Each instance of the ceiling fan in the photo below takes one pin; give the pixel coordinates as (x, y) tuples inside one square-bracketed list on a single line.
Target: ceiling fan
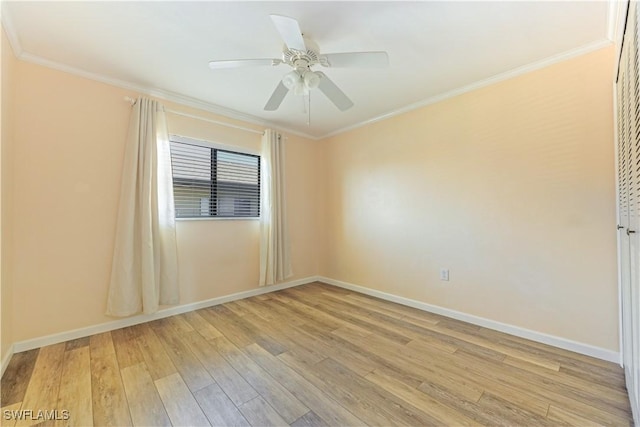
[(301, 54)]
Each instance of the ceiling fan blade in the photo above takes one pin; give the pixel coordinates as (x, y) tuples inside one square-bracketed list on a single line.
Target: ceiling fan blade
[(355, 59), (333, 92), (237, 63), (276, 97), (289, 31)]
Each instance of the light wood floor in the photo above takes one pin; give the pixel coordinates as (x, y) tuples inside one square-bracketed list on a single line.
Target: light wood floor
[(309, 356)]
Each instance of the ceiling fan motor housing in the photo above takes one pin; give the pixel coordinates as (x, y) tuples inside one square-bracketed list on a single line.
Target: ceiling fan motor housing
[(310, 56)]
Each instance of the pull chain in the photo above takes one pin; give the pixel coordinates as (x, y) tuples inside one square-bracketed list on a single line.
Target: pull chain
[(309, 111)]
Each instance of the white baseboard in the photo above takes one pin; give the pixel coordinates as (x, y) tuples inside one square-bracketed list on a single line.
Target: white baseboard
[(587, 349), (5, 360), (578, 347), (142, 318)]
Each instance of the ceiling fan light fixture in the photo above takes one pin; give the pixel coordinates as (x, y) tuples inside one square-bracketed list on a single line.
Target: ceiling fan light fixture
[(311, 79), (291, 80), (300, 89)]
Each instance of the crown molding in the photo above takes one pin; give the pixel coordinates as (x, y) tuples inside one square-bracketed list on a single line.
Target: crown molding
[(615, 25), (479, 84), (616, 13), (10, 31), (184, 100)]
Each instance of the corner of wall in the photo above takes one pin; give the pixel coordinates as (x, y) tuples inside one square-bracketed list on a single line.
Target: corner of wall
[(6, 142)]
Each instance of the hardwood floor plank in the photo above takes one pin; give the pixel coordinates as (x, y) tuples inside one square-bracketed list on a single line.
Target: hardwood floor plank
[(525, 389), (285, 403), (486, 372), (357, 403), (226, 321), (559, 355), (323, 406), (181, 406), (231, 382), (310, 419), (506, 350), (333, 346), (597, 376), (218, 407), (110, 407), (532, 384), (425, 403), (17, 376), (77, 343), (515, 414), (255, 332), (262, 309), (308, 312), (427, 343), (10, 419), (401, 331), (156, 358), (237, 307), (145, 404), (397, 410), (354, 317), (258, 412), (469, 408), (75, 387), (562, 416), (42, 391), (204, 328), (313, 355), (127, 347), (614, 397), (179, 324), (421, 365), (277, 329), (387, 307), (188, 365), (402, 324)]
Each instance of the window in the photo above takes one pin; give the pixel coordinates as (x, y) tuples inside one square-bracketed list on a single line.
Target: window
[(211, 182)]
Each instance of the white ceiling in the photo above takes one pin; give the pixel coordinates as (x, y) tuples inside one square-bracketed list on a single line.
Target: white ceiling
[(436, 48)]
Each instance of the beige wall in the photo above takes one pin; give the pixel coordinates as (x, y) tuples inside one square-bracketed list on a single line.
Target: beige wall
[(6, 169), (510, 187), (70, 133)]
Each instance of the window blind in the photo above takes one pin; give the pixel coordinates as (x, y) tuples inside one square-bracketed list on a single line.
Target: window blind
[(210, 182)]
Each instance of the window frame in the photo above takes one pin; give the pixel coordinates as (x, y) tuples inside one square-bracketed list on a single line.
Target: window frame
[(215, 146)]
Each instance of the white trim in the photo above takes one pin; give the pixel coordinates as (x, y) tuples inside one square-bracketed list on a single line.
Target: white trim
[(617, 186), (621, 15), (559, 342), (612, 27), (10, 31), (142, 318), (184, 100), (6, 359), (615, 19), (479, 84), (633, 400), (586, 349)]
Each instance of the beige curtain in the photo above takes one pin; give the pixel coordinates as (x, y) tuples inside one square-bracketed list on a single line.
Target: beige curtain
[(144, 271), (275, 261)]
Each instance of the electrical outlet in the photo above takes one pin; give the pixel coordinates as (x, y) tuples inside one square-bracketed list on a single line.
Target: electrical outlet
[(444, 274)]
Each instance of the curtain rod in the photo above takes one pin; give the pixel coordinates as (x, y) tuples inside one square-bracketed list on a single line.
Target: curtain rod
[(204, 119)]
